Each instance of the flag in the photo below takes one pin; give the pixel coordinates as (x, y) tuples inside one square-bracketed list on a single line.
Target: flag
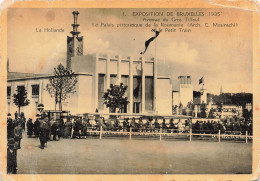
[(201, 80), (147, 43)]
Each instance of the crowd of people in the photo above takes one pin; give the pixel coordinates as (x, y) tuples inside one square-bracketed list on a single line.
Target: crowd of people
[(234, 126), (15, 130), (77, 127)]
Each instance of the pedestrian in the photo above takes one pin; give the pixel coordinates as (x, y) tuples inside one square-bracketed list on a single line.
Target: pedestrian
[(44, 134), (36, 127), (54, 128), (11, 157), (16, 115), (23, 121), (18, 130), (84, 128), (10, 128), (29, 126), (61, 127), (68, 127)]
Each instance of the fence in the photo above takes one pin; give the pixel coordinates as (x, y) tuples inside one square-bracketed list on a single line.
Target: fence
[(170, 133)]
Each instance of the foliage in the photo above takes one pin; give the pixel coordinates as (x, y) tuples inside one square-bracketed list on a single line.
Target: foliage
[(211, 115), (114, 97), (61, 84), (239, 99), (247, 114), (20, 98), (203, 110)]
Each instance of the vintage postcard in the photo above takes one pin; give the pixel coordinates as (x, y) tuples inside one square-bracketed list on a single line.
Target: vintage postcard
[(129, 90)]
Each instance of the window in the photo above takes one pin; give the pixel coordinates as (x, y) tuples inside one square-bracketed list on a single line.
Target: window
[(35, 90), (20, 88), (8, 91), (113, 79), (137, 107), (101, 90)]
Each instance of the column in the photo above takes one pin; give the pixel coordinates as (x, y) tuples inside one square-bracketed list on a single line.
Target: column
[(196, 111), (130, 84), (108, 72), (96, 85), (118, 69), (107, 80), (155, 84), (143, 85), (40, 92)]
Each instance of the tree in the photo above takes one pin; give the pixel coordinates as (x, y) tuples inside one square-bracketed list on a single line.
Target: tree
[(203, 110), (61, 84), (211, 113), (190, 108), (20, 98), (115, 97)]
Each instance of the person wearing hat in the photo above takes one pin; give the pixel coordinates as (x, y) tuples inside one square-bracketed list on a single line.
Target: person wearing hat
[(10, 127), (68, 127), (11, 157), (54, 127), (18, 134), (16, 115), (36, 127), (29, 126), (43, 133)]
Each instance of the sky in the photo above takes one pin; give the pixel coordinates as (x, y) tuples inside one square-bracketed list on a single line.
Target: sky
[(223, 56)]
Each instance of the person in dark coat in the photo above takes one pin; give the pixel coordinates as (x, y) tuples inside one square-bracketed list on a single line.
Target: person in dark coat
[(44, 133), (23, 121), (61, 127), (140, 124), (125, 124), (11, 157), (36, 127), (84, 128), (29, 126), (156, 124), (54, 128), (68, 127), (164, 124), (133, 124), (76, 128), (10, 128), (16, 115), (18, 131)]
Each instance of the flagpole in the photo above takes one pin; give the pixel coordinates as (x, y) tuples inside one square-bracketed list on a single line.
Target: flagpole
[(155, 45), (155, 77)]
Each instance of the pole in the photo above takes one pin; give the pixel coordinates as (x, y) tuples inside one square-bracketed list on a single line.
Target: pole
[(219, 135), (130, 136), (190, 133), (246, 136), (100, 133), (160, 134)]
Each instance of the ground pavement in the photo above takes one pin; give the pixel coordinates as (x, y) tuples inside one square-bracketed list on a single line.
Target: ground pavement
[(123, 156)]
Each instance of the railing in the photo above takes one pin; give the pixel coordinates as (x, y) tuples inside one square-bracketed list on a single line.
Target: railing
[(170, 132)]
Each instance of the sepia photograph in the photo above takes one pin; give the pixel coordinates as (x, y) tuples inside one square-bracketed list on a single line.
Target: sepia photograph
[(129, 91)]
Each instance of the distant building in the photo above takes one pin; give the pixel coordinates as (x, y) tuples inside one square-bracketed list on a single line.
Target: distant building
[(185, 93)]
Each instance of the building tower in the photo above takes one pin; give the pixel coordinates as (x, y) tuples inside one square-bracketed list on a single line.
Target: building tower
[(74, 43), (186, 90)]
